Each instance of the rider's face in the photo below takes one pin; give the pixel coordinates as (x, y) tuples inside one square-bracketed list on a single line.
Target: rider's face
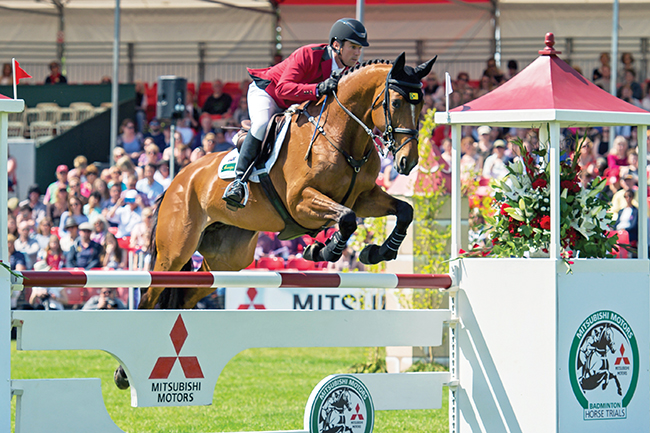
[(349, 53)]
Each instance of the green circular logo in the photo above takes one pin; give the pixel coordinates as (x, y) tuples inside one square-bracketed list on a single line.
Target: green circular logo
[(340, 404), (604, 366)]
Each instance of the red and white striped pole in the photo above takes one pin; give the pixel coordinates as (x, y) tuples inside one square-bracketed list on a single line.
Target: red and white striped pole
[(96, 279)]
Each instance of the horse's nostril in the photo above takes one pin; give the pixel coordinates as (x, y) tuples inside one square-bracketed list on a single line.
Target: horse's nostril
[(403, 164)]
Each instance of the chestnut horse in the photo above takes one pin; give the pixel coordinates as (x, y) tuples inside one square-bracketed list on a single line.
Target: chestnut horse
[(322, 179)]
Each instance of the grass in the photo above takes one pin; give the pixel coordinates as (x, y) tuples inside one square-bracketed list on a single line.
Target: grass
[(260, 389)]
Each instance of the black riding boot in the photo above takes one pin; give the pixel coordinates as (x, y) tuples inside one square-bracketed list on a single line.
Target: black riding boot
[(236, 191)]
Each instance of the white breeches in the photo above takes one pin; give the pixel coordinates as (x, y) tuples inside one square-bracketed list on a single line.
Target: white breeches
[(261, 107)]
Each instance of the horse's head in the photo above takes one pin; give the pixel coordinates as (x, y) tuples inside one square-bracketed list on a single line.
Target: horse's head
[(403, 101)]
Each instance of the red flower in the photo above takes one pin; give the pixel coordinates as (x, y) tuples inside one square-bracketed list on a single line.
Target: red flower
[(540, 183), (545, 222), (504, 206)]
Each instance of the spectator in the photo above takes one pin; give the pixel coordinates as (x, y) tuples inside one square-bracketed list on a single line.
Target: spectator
[(106, 300), (219, 102), (484, 142), (126, 213), (12, 177), (38, 208), (142, 231), (493, 72), (629, 81), (99, 230), (513, 68), (116, 178), (115, 192), (25, 214), (604, 81), (209, 143), (485, 86), (241, 113), (17, 260), (433, 87), (156, 134), (197, 154), (74, 186), (93, 209), (162, 175), (26, 244), (627, 60), (60, 205), (148, 186), (151, 154), (70, 236), (598, 73), (55, 76), (12, 227), (7, 78), (461, 83), (184, 129), (43, 232), (61, 178), (628, 217), (206, 128), (191, 110), (627, 182), (129, 140), (84, 253), (114, 256), (220, 142), (470, 162), (494, 166), (618, 154), (54, 256), (348, 262), (75, 210), (92, 174), (141, 104), (118, 153)]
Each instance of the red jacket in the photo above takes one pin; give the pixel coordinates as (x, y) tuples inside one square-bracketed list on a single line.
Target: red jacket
[(295, 79)]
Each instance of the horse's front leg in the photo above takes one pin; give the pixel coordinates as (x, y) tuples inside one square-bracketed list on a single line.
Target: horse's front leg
[(378, 203), (314, 205)]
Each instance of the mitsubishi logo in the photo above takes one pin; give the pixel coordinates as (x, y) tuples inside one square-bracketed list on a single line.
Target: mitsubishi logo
[(251, 293), (189, 364), (625, 360)]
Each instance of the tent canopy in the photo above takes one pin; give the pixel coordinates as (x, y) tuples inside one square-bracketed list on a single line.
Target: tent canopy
[(547, 90)]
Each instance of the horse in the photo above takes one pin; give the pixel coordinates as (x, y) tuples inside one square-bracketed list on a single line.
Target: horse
[(594, 362), (325, 174)]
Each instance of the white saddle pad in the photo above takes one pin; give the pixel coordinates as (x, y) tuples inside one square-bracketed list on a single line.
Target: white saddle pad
[(229, 162)]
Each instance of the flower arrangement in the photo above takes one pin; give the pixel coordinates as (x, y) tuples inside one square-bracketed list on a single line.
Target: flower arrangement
[(521, 224)]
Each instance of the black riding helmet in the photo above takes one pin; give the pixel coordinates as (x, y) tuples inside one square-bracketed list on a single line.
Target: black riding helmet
[(349, 29)]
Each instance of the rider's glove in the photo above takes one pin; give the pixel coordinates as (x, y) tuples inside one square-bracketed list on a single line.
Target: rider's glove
[(328, 86)]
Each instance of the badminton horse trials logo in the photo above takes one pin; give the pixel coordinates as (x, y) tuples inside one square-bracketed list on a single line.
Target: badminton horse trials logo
[(604, 366), (340, 404)]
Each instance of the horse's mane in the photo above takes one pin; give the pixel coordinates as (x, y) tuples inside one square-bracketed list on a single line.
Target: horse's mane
[(358, 66)]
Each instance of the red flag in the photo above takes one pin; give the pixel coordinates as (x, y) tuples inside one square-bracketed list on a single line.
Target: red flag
[(20, 72)]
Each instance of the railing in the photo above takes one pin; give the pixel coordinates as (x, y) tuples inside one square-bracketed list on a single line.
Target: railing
[(227, 60)]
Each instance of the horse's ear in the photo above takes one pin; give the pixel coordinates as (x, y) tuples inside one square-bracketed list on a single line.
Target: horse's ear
[(398, 64), (424, 69)]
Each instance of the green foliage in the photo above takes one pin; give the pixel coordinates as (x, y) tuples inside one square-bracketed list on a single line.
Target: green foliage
[(376, 362), (373, 230), (420, 366)]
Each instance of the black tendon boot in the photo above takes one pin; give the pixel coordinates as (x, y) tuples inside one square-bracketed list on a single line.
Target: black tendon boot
[(236, 191)]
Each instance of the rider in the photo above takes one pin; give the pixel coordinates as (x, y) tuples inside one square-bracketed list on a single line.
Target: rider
[(304, 76)]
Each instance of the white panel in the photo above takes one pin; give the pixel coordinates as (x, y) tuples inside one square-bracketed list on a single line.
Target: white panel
[(405, 391), (139, 352), (61, 406), (506, 338)]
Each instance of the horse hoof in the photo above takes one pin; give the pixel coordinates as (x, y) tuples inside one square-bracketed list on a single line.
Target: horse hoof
[(312, 252), (120, 379), (370, 255)]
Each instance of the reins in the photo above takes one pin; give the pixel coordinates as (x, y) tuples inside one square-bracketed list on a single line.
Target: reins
[(387, 138)]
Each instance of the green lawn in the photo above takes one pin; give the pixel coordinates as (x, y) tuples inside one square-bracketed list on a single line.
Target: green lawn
[(260, 389)]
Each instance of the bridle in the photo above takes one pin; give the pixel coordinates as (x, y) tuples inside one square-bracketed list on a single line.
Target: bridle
[(387, 138)]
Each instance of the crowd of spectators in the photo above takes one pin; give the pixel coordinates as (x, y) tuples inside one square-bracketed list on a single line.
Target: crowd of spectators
[(91, 218)]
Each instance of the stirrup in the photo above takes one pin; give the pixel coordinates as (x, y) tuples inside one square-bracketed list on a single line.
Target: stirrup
[(235, 203)]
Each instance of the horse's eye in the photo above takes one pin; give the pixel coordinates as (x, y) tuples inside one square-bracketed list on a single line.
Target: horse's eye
[(396, 103)]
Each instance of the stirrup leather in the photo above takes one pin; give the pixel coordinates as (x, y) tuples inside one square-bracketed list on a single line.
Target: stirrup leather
[(231, 202)]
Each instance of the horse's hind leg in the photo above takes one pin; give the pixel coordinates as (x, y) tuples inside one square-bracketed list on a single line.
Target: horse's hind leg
[(377, 203), (316, 205)]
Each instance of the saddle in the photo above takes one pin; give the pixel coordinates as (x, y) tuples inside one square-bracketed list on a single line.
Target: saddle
[(291, 229)]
